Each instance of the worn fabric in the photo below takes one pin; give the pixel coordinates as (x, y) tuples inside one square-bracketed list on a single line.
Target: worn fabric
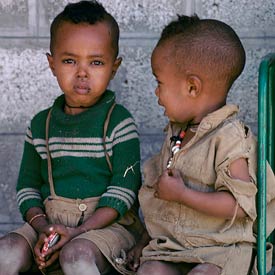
[(111, 240), (77, 178), (78, 157), (182, 234)]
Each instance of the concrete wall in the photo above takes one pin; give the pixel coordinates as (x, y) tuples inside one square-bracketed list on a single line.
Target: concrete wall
[(27, 86)]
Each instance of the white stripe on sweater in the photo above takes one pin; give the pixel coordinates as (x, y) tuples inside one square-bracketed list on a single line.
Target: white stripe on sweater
[(117, 196), (27, 193)]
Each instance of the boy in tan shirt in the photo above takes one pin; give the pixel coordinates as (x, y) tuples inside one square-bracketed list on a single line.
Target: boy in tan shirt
[(198, 196)]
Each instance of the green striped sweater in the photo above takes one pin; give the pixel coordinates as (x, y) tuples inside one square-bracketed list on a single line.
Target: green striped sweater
[(80, 169)]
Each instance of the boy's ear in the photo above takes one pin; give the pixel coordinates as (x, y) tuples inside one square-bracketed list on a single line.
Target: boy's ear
[(50, 61), (194, 85), (116, 66)]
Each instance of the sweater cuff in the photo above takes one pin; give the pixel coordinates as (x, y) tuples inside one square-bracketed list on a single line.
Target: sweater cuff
[(119, 198), (115, 203)]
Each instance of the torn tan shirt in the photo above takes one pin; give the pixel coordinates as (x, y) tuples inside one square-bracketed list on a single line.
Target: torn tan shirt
[(181, 234)]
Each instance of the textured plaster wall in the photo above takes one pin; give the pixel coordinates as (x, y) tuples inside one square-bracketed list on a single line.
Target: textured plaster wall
[(27, 86)]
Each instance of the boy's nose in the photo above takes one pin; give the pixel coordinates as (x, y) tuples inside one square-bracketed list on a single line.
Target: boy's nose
[(82, 71), (157, 92)]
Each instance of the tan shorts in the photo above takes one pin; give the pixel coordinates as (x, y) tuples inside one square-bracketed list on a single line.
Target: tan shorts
[(111, 240)]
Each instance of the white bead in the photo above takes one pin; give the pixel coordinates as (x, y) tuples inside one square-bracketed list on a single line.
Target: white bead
[(175, 149)]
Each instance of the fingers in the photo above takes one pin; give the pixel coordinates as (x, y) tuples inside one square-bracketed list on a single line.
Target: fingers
[(132, 262), (52, 258), (136, 266), (51, 229), (40, 242), (47, 261), (46, 258)]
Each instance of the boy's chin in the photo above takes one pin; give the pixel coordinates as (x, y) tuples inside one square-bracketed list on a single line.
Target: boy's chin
[(167, 115)]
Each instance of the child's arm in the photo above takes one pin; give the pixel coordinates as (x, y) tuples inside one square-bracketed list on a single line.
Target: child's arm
[(37, 218), (102, 217), (171, 187)]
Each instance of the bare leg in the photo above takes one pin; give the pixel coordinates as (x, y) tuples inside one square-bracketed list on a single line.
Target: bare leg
[(15, 255), (205, 269), (159, 268), (81, 256)]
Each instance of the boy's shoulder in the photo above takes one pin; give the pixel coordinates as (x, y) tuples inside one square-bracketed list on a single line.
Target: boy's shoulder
[(40, 117), (225, 121), (121, 121), (235, 128), (120, 111)]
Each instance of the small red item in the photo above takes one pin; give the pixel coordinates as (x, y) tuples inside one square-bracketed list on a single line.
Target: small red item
[(182, 134), (51, 241)]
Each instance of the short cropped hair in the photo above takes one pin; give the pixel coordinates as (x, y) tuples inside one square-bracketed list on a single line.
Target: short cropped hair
[(207, 44), (90, 12)]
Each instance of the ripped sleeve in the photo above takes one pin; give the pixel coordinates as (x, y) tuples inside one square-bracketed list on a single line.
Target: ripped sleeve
[(238, 143), (244, 192)]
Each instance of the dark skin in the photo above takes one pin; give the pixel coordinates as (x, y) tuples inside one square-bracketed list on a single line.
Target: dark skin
[(83, 61), (133, 256), (102, 217), (178, 93), (194, 88), (170, 187)]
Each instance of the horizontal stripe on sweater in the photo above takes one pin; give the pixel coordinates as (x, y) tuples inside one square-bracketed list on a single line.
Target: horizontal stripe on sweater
[(26, 194), (121, 193), (84, 147)]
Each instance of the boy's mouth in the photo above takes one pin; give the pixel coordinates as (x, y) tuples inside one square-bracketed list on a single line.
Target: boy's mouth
[(82, 89), (159, 103)]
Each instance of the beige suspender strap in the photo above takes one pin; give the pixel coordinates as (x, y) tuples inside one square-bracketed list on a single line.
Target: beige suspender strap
[(50, 174), (106, 123)]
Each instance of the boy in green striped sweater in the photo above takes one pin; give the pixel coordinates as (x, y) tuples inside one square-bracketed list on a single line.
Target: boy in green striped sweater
[(80, 171)]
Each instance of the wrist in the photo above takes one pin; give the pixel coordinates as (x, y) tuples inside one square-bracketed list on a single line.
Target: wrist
[(82, 229), (35, 217), (39, 223)]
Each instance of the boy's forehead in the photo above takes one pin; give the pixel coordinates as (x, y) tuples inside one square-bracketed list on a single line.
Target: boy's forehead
[(161, 55), (69, 34), (67, 27)]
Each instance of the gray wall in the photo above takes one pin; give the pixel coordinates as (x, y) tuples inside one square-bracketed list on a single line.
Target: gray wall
[(27, 86)]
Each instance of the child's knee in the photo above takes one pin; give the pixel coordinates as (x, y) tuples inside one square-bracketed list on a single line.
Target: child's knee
[(206, 269), (15, 253), (79, 257), (153, 268), (76, 250), (15, 245)]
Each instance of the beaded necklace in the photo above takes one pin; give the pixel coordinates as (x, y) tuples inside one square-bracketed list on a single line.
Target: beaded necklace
[(177, 141)]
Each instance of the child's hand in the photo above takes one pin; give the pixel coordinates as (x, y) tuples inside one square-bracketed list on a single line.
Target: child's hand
[(45, 259), (133, 257), (170, 186)]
